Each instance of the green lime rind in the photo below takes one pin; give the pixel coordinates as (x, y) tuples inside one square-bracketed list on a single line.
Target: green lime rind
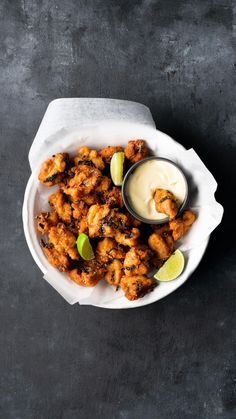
[(84, 247), (172, 268), (117, 167)]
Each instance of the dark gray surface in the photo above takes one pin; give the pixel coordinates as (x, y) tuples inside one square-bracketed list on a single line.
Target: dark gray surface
[(173, 359)]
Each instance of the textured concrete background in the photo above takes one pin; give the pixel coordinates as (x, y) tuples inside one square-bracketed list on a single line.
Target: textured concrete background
[(174, 359)]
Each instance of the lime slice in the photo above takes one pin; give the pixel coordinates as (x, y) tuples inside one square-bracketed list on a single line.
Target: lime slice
[(84, 247), (116, 167), (172, 268)]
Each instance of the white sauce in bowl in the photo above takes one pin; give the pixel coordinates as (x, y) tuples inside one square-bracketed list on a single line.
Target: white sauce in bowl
[(148, 177)]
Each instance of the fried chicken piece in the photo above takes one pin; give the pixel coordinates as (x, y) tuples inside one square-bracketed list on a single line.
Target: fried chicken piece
[(182, 224), (91, 199), (83, 180), (107, 153), (86, 154), (113, 198), (79, 210), (137, 286), (51, 169), (83, 225), (57, 259), (133, 222), (103, 185), (136, 150), (104, 221), (63, 240), (62, 208), (162, 243), (97, 215), (114, 272), (46, 220), (137, 261), (128, 238), (87, 274), (166, 203), (108, 249)]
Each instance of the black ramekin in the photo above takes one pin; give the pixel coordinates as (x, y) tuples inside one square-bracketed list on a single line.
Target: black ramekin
[(126, 199)]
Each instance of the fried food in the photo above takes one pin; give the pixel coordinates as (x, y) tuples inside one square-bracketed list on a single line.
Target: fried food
[(63, 240), (79, 210), (88, 274), (137, 261), (60, 206), (114, 272), (182, 224), (51, 169), (56, 258), (133, 222), (166, 203), (103, 184), (136, 150), (128, 238), (113, 198), (162, 243), (107, 152), (87, 202), (137, 286), (83, 180), (46, 220), (108, 249), (85, 154), (104, 221)]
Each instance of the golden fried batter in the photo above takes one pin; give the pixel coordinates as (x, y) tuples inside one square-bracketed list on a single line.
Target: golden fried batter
[(83, 181), (88, 274), (80, 209), (91, 199), (108, 249), (63, 240), (166, 203), (128, 238), (114, 272), (46, 220), (62, 208), (137, 261), (103, 184), (182, 224), (136, 150), (113, 198), (51, 169), (107, 153), (56, 258), (161, 243), (104, 221), (133, 222), (137, 286), (86, 154)]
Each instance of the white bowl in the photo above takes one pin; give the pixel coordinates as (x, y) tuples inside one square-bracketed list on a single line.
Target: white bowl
[(35, 200)]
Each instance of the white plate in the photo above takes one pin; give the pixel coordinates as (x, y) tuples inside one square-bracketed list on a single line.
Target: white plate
[(35, 194)]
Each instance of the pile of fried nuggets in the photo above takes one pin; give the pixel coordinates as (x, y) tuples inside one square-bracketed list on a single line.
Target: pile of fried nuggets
[(87, 202)]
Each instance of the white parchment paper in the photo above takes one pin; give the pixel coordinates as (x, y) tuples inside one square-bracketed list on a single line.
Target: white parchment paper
[(70, 123)]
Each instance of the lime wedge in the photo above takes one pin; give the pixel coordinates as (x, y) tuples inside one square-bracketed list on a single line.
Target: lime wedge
[(116, 167), (172, 268), (84, 247)]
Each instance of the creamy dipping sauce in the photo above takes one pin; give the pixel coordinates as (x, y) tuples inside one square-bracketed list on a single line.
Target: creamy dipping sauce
[(146, 178)]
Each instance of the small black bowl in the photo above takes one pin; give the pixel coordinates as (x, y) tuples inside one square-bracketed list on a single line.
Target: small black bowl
[(126, 199)]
